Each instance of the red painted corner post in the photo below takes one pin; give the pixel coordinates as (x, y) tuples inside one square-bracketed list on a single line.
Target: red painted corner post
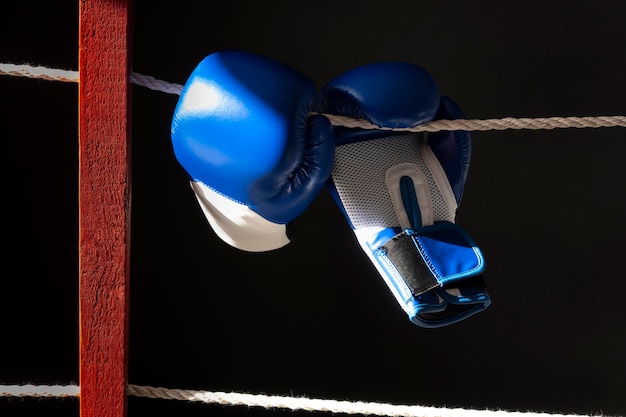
[(104, 205)]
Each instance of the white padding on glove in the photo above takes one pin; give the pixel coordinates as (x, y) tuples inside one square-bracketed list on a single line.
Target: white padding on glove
[(237, 224)]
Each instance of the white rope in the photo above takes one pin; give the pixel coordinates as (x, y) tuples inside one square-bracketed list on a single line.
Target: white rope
[(42, 73), (41, 391), (491, 124), (277, 402), (50, 74), (331, 406), (154, 84), (438, 125)]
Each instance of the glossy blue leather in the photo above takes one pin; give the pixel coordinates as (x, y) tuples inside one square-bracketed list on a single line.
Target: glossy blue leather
[(408, 97), (241, 127)]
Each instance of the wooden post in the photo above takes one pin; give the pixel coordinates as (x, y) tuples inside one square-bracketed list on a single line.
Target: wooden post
[(104, 205)]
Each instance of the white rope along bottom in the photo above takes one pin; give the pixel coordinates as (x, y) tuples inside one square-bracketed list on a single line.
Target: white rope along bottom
[(276, 402), (152, 83)]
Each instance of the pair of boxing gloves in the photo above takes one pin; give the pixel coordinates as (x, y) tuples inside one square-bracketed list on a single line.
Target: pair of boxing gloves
[(252, 134)]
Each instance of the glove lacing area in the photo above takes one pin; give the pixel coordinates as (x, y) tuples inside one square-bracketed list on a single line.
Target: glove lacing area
[(367, 176)]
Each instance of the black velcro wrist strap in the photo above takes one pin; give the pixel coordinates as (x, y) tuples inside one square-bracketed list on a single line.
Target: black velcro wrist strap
[(402, 252), (430, 257)]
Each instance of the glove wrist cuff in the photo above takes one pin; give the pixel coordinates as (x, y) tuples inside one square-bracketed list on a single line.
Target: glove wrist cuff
[(430, 257)]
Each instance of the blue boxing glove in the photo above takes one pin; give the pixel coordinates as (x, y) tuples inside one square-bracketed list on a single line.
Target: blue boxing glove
[(400, 190), (256, 160)]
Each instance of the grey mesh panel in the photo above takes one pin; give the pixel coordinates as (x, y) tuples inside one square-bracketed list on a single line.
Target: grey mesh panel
[(359, 175)]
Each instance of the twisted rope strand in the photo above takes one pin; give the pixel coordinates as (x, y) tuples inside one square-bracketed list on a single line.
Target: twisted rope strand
[(277, 402), (490, 124), (50, 74), (42, 73), (331, 406), (41, 391), (154, 84), (434, 126)]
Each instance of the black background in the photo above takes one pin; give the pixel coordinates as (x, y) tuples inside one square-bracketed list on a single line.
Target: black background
[(314, 319)]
